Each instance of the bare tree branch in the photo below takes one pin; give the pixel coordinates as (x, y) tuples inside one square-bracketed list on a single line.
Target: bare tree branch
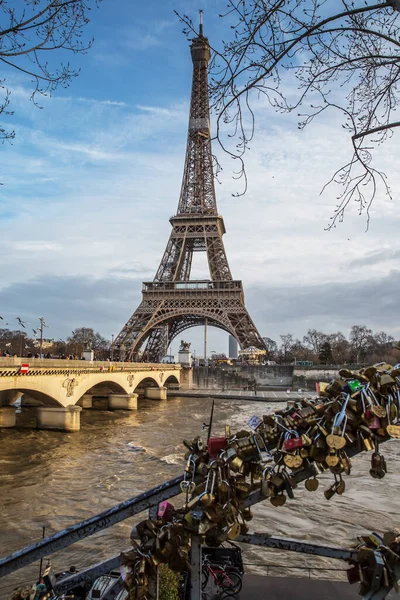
[(34, 28), (344, 54)]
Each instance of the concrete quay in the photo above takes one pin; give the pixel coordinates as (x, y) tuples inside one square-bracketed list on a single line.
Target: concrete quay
[(257, 587), (260, 396)]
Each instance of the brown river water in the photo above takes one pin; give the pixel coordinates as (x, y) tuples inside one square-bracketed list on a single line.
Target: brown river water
[(55, 479)]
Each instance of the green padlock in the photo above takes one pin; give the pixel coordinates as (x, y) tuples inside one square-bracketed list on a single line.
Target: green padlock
[(354, 385)]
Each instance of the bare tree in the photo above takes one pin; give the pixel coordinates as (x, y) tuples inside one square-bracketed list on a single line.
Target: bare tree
[(360, 340), (85, 338), (314, 339), (29, 31), (271, 346), (340, 347), (382, 340), (345, 56), (287, 342)]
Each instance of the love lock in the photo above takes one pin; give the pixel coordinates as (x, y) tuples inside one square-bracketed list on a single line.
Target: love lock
[(376, 408), (208, 496), (278, 500), (331, 491), (378, 464), (293, 444), (223, 483), (266, 488), (332, 460), (312, 484), (188, 484), (263, 452), (336, 439)]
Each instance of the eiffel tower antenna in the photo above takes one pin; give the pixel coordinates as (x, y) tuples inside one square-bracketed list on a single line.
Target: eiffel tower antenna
[(173, 302)]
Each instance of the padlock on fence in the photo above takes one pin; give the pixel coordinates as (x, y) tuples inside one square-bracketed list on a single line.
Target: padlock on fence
[(165, 511), (215, 445), (292, 441)]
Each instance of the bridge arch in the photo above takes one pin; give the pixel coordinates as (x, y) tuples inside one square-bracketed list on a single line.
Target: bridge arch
[(104, 384), (171, 380), (147, 381), (11, 395), (103, 388), (214, 316)]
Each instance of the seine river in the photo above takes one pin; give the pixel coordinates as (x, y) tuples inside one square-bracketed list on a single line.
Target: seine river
[(55, 479)]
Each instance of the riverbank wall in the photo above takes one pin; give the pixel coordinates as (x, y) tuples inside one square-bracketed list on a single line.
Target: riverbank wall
[(266, 376)]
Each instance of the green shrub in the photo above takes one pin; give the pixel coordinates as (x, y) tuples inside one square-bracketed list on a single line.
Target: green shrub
[(168, 583)]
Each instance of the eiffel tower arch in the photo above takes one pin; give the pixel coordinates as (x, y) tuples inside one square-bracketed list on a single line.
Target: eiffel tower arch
[(173, 302)]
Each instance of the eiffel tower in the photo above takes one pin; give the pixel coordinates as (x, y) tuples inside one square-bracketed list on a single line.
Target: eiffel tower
[(173, 302)]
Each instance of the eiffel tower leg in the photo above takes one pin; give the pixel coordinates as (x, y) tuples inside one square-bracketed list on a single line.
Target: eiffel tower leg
[(217, 261), (179, 310)]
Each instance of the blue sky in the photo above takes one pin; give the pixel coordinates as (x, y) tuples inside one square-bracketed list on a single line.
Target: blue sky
[(91, 180)]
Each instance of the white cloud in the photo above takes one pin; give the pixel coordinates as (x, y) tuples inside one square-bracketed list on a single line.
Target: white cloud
[(89, 192), (36, 246)]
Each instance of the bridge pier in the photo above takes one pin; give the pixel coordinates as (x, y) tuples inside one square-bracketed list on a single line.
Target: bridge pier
[(7, 416), (86, 401), (59, 418), (122, 401), (155, 393)]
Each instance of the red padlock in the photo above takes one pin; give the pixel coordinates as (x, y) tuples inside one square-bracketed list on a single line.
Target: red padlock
[(293, 443), (165, 510), (215, 445), (376, 424)]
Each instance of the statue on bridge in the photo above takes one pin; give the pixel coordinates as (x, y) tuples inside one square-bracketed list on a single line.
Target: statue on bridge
[(184, 347)]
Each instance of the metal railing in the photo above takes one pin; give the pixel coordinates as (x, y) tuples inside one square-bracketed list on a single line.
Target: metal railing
[(283, 569), (200, 285)]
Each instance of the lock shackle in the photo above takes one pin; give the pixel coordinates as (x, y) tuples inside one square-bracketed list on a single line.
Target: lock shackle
[(373, 397), (277, 418), (290, 433), (214, 475), (340, 421), (363, 399), (344, 405), (222, 475), (270, 469), (192, 460), (262, 441)]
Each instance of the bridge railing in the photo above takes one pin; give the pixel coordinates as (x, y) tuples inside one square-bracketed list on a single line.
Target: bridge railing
[(93, 366)]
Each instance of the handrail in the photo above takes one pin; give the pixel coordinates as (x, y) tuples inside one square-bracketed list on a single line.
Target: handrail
[(197, 285), (90, 526)]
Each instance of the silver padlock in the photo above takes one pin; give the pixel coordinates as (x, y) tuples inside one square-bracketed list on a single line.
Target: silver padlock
[(265, 456), (188, 484), (266, 489), (228, 454), (208, 496)]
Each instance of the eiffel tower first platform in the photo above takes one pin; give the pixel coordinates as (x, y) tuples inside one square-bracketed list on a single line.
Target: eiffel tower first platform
[(172, 302)]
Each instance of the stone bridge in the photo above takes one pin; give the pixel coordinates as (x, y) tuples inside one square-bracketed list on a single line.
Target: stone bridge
[(61, 388)]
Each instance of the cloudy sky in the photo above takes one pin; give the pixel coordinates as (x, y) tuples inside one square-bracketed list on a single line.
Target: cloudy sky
[(91, 180)]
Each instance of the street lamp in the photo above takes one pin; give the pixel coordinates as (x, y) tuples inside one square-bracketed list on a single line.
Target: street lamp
[(40, 328), (112, 347)]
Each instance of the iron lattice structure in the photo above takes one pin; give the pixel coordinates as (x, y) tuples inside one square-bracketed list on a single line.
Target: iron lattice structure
[(172, 302)]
